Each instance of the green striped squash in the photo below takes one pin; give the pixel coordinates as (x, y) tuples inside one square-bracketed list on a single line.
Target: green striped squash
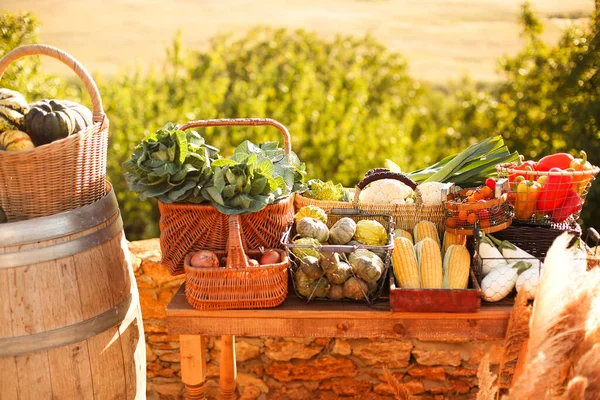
[(13, 108)]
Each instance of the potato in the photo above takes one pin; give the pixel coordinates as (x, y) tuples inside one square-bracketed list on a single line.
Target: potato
[(204, 259)]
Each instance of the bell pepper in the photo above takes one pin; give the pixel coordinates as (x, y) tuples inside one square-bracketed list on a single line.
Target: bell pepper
[(527, 195), (525, 166), (580, 181), (558, 160), (554, 191), (571, 204)]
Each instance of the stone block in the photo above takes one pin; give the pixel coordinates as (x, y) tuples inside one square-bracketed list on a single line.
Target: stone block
[(442, 357), (432, 373), (314, 370), (346, 386), (393, 353), (283, 350)]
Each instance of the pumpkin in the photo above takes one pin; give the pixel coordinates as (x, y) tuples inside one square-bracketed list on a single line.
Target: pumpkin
[(330, 261), (356, 289), (311, 211), (366, 265), (381, 253), (13, 108), (311, 227), (320, 288), (50, 120), (342, 231), (310, 266), (302, 284), (340, 274), (336, 292), (15, 141), (302, 252), (370, 232)]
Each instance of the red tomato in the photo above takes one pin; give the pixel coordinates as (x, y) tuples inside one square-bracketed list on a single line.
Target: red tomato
[(491, 183)]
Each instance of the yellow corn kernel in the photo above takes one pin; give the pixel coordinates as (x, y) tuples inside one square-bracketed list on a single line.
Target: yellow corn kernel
[(429, 261), (451, 238), (402, 233), (457, 263), (405, 264), (426, 229)]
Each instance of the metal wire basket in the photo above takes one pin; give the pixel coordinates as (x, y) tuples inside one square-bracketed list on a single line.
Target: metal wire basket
[(322, 286)]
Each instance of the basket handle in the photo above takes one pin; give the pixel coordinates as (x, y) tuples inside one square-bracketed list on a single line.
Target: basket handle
[(42, 49), (236, 257), (244, 122), (382, 173)]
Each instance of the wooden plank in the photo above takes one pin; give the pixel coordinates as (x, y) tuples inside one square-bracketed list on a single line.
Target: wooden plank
[(70, 372), (9, 382), (337, 319), (106, 359), (34, 377), (432, 329)]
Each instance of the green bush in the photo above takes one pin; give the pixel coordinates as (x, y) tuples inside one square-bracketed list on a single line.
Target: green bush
[(349, 103)]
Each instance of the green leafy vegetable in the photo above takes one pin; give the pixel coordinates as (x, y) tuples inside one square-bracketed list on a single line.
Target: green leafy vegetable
[(469, 168), (171, 165), (319, 190), (255, 176)]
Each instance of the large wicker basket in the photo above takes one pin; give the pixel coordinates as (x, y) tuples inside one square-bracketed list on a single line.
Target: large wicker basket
[(405, 216), (186, 228), (63, 175), (236, 285)]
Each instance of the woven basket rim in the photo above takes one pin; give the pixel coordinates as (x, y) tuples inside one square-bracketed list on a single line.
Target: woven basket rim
[(208, 205), (88, 130)]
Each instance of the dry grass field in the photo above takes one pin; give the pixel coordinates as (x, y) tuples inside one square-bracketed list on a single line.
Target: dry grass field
[(441, 39)]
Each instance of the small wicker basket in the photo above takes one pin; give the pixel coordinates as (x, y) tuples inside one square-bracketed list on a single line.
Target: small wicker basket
[(237, 285), (186, 228), (63, 175)]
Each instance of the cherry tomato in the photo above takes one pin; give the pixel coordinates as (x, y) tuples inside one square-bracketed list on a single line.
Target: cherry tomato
[(472, 218), (462, 215), (485, 223), (484, 215), (491, 183), (451, 223), (486, 191)]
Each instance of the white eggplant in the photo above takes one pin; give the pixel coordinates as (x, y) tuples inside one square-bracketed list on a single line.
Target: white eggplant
[(529, 281), (513, 253), (501, 280), (490, 256)]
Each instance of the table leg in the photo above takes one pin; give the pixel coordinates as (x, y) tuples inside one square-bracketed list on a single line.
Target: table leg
[(193, 365), (228, 370)]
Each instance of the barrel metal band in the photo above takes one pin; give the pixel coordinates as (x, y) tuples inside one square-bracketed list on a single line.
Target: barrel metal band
[(59, 225), (61, 250), (15, 346)]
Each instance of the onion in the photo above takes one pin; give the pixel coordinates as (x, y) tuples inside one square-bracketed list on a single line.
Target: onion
[(204, 259), (270, 257)]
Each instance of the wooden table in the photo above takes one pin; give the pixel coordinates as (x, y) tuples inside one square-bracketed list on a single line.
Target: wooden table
[(317, 319)]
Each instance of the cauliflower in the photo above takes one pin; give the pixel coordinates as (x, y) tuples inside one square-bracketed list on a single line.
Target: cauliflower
[(386, 191), (431, 193)]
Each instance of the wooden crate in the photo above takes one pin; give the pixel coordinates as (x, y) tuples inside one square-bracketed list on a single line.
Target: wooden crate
[(436, 300)]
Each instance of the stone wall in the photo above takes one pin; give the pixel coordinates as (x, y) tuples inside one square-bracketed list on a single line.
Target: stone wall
[(302, 368)]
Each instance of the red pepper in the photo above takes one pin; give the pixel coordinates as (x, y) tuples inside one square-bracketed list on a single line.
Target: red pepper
[(571, 204), (526, 166), (558, 160), (554, 191)]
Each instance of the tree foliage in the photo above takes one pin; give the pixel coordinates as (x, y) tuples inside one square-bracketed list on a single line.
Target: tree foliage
[(349, 103)]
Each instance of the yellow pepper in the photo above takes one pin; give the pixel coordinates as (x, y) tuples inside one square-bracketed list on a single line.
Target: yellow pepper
[(580, 182), (527, 194)]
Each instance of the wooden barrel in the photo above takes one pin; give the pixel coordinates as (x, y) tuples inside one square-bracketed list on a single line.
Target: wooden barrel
[(70, 321)]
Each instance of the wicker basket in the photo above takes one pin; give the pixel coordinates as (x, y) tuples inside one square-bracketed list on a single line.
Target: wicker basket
[(582, 181), (63, 175), (405, 216), (237, 285), (186, 228)]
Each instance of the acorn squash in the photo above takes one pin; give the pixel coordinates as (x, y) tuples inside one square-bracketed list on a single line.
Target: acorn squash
[(13, 108), (14, 140), (50, 120)]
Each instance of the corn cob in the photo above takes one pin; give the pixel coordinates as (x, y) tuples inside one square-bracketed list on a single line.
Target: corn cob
[(451, 238), (402, 233), (457, 262), (405, 264), (426, 229), (429, 262)]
